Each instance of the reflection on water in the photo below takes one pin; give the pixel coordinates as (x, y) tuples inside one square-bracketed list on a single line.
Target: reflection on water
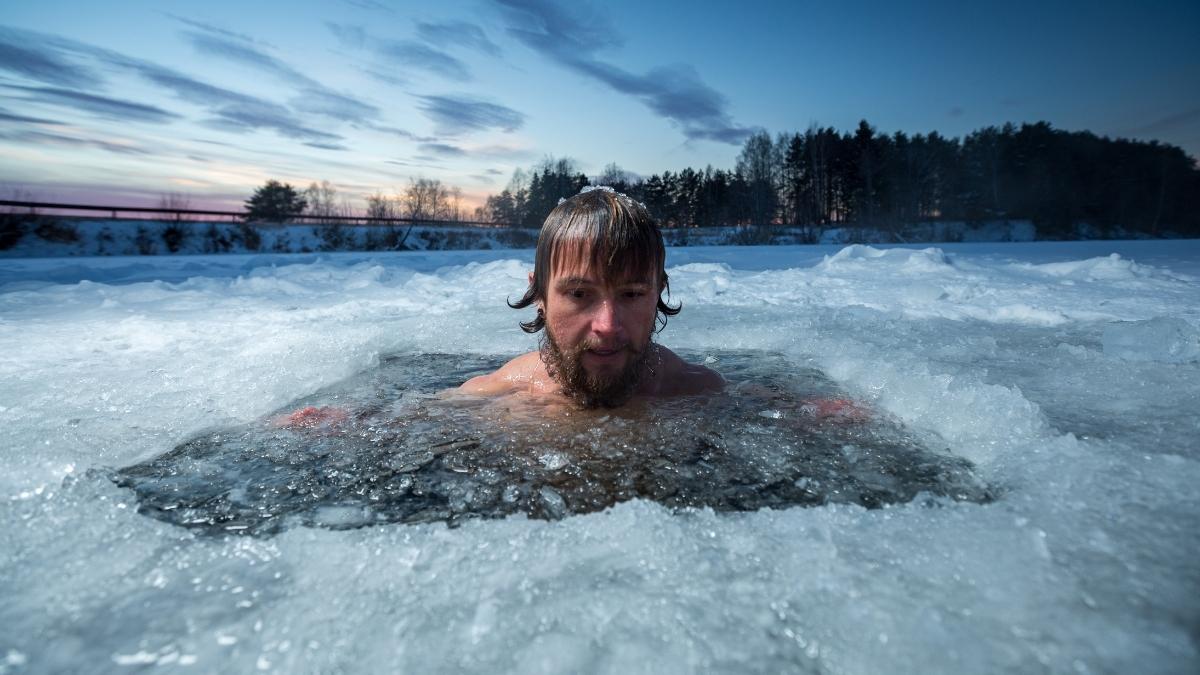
[(402, 454)]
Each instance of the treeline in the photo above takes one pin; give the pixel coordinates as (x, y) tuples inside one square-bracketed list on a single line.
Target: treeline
[(821, 178)]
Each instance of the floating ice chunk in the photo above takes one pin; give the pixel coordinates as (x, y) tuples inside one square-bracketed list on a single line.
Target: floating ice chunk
[(1164, 339), (923, 260), (1106, 268)]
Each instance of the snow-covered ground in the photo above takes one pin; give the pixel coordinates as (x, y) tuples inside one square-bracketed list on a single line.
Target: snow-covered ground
[(1069, 373), (52, 237)]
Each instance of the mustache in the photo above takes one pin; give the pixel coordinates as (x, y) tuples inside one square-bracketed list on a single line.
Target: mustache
[(587, 345)]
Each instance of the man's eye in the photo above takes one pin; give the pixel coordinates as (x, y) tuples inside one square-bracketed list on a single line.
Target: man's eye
[(633, 295), (577, 293)]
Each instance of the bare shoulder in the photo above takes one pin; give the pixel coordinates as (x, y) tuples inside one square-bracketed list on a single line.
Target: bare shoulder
[(681, 378), (520, 374)]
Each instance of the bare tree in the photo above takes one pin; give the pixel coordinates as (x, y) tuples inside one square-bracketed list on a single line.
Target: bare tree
[(176, 202), (426, 199), (322, 201)]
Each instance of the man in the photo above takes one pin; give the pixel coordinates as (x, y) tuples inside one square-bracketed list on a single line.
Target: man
[(597, 284)]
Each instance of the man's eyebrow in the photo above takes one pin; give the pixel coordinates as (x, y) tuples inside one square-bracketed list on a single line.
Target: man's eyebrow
[(576, 281)]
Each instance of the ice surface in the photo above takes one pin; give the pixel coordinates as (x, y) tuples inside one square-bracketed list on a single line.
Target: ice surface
[(1166, 339), (1002, 354)]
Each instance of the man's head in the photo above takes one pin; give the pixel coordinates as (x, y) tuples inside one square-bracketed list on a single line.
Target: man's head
[(598, 284)]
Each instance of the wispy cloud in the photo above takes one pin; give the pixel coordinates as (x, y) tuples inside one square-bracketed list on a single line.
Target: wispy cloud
[(449, 150), (348, 35), (215, 30), (676, 93), (6, 116), (453, 115), (371, 5), (31, 59), (231, 110), (326, 146), (240, 52), (442, 149), (417, 55), (457, 32), (44, 137), (314, 98), (102, 106), (335, 106), (402, 133), (1179, 120)]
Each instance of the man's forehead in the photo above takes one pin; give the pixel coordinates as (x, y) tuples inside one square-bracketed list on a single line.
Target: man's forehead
[(578, 263), (588, 271)]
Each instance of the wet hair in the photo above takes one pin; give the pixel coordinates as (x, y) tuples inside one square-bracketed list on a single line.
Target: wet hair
[(617, 234)]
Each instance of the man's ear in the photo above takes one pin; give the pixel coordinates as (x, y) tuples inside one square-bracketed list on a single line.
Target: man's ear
[(531, 278)]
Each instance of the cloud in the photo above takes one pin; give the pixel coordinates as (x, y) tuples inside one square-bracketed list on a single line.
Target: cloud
[(370, 5), (674, 92), (347, 35), (232, 111), (216, 30), (417, 55), (385, 78), (1184, 119), (442, 149), (111, 108), (402, 133), (326, 146), (457, 114), (315, 98), (6, 116), (239, 52), (457, 32), (21, 53), (334, 106), (43, 137), (955, 111)]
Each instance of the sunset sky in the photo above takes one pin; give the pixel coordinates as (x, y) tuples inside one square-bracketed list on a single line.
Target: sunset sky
[(122, 102)]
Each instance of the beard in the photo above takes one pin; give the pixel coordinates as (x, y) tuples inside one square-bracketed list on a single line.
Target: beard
[(594, 390)]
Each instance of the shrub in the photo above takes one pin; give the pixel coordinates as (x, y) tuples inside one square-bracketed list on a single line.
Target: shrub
[(215, 240), (333, 236), (144, 242), (12, 228), (104, 239), (753, 235), (517, 237), (173, 236), (55, 231), (250, 236)]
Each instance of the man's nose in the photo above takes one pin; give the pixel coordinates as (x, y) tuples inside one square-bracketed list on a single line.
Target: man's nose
[(605, 319)]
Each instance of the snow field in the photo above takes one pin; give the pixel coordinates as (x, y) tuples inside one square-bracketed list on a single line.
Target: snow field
[(1063, 372)]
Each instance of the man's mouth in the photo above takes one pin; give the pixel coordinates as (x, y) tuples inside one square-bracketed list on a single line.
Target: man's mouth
[(605, 352)]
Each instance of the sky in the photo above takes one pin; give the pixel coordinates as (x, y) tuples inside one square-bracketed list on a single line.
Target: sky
[(125, 102)]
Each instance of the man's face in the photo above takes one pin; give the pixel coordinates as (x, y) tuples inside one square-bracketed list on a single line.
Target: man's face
[(598, 331)]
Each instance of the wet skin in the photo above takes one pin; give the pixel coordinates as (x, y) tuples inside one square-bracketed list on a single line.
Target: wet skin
[(612, 321)]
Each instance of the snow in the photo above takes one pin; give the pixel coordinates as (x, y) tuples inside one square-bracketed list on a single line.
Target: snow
[(1067, 372)]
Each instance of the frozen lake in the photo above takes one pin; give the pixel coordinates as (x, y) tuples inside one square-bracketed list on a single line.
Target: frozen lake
[(1068, 374)]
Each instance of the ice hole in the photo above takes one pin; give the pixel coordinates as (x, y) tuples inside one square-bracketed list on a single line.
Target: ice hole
[(384, 447)]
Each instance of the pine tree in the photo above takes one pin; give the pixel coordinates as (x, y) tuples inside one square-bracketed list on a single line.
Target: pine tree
[(275, 202)]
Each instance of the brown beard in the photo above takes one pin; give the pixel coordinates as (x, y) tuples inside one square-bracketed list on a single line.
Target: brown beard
[(588, 390)]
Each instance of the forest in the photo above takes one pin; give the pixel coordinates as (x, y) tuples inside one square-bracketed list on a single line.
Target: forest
[(821, 178)]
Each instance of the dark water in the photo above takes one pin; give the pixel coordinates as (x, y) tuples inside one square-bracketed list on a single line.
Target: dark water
[(402, 454)]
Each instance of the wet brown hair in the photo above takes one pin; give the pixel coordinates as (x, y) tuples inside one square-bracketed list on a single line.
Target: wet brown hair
[(615, 232)]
